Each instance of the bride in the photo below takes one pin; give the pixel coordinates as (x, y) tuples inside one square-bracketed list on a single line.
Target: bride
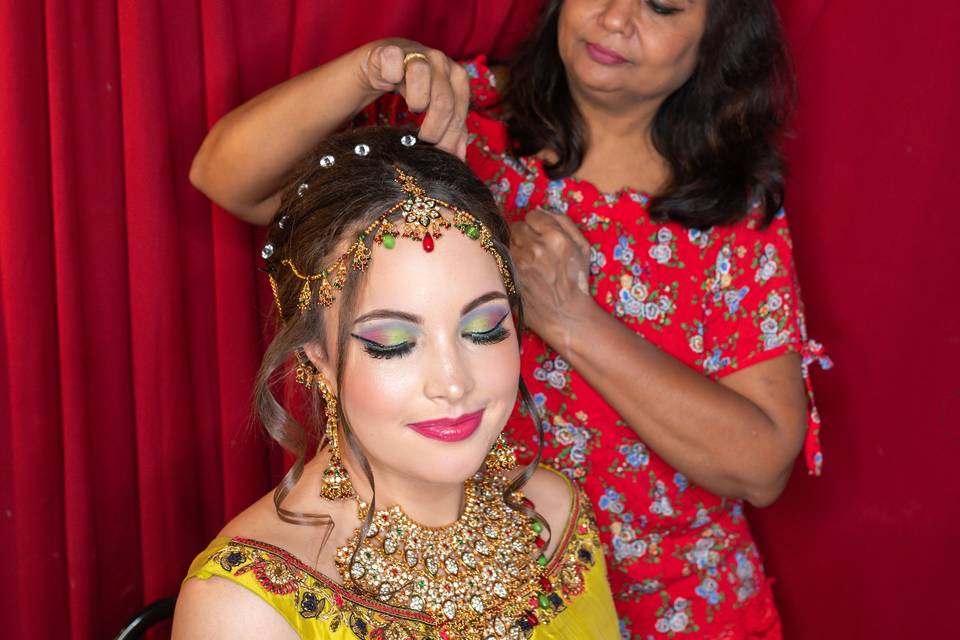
[(399, 316)]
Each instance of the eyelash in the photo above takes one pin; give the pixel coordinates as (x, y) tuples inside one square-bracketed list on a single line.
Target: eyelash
[(659, 9), (375, 350)]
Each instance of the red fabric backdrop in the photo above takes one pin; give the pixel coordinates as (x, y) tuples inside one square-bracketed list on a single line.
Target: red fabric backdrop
[(130, 309)]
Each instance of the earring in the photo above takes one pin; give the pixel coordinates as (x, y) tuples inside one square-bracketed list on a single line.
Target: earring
[(502, 457), (336, 483)]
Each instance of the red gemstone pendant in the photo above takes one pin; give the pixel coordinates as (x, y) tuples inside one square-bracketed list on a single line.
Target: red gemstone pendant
[(428, 243)]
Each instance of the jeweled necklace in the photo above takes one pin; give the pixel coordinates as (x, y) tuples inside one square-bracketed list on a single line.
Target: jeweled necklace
[(472, 577)]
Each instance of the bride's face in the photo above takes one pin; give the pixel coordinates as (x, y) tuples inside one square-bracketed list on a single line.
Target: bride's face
[(432, 361)]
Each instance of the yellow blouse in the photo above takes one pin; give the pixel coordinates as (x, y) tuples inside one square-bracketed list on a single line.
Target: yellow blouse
[(571, 601)]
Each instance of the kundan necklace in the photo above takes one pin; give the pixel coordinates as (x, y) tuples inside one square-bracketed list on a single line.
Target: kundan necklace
[(472, 577)]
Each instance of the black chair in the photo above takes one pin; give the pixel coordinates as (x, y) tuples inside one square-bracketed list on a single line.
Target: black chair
[(154, 613)]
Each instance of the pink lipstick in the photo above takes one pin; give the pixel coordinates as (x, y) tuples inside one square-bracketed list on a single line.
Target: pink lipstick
[(449, 429), (604, 55)]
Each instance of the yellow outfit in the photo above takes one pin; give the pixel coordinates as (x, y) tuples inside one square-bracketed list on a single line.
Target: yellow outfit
[(571, 601)]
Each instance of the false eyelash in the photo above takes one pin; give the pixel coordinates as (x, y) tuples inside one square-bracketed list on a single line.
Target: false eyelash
[(495, 335), (379, 351)]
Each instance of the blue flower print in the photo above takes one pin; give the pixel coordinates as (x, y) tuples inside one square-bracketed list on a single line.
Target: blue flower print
[(702, 519), (523, 194), (622, 252), (640, 198), (774, 301), (473, 73), (555, 200), (707, 590), (681, 482), (714, 362), (611, 501), (733, 299), (635, 455), (597, 261), (698, 237)]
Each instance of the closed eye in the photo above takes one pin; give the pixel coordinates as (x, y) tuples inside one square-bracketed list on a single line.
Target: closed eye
[(662, 9), (497, 333), (385, 351)]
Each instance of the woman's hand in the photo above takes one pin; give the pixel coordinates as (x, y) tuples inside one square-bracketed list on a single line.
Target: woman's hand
[(429, 82), (552, 259)]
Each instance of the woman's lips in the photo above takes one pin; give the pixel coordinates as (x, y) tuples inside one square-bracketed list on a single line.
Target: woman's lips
[(604, 55), (449, 429)]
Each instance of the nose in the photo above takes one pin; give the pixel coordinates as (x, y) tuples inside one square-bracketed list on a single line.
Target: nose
[(617, 17), (448, 378)]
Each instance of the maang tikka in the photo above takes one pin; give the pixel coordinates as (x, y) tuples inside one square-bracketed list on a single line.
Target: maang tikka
[(421, 219)]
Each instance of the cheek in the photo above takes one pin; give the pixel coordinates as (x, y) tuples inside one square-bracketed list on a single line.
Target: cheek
[(376, 393)]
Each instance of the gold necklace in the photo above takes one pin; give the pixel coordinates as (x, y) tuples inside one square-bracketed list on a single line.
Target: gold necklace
[(473, 577)]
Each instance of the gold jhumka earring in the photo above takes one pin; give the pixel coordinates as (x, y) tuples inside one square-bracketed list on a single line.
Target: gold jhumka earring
[(502, 457), (336, 483)]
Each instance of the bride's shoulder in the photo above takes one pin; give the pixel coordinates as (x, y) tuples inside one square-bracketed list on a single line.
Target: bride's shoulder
[(555, 498)]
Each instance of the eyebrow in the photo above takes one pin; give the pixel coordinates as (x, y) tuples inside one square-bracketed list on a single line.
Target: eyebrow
[(393, 314)]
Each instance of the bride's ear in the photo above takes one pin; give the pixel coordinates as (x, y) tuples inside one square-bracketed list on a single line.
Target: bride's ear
[(318, 358)]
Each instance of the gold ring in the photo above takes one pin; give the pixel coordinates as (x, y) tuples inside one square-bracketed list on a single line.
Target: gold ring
[(414, 55)]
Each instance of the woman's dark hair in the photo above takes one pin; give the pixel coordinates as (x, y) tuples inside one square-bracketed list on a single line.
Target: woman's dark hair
[(322, 211), (717, 131)]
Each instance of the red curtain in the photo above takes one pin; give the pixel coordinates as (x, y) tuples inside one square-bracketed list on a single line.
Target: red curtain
[(130, 310)]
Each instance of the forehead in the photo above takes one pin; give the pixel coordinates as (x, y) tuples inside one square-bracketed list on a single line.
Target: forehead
[(408, 278)]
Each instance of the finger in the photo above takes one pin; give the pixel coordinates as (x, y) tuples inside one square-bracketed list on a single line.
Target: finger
[(519, 233), (572, 230), (454, 139), (440, 112), (542, 221), (417, 81), (385, 67)]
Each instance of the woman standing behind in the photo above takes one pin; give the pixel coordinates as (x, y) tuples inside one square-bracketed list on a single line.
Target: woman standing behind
[(669, 327)]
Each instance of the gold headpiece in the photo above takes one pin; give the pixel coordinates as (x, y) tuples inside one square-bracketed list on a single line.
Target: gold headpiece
[(421, 220)]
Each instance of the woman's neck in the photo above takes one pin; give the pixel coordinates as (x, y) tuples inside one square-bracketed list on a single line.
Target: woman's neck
[(620, 150), (430, 504)]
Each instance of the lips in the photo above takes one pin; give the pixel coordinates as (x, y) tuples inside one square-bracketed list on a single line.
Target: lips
[(604, 55), (449, 429)]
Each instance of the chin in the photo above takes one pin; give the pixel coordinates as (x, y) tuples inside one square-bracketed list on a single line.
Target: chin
[(451, 467)]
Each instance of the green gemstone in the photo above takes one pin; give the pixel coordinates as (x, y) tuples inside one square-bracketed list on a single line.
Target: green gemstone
[(389, 241), (542, 560), (473, 233), (544, 601), (536, 526)]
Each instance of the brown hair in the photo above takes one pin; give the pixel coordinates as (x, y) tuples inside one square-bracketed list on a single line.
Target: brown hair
[(323, 208)]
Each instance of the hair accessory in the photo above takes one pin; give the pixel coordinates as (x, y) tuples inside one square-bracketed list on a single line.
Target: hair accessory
[(421, 220), (408, 140), (327, 161), (302, 189), (362, 149), (267, 251)]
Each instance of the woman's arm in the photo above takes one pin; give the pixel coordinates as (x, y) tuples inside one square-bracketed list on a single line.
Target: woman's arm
[(245, 158), (216, 609), (737, 438)]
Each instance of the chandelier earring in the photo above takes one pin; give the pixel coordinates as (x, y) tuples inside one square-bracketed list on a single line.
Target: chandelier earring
[(336, 483), (502, 457)]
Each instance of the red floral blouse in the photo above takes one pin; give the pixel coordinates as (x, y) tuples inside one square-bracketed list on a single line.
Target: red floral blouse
[(682, 560)]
